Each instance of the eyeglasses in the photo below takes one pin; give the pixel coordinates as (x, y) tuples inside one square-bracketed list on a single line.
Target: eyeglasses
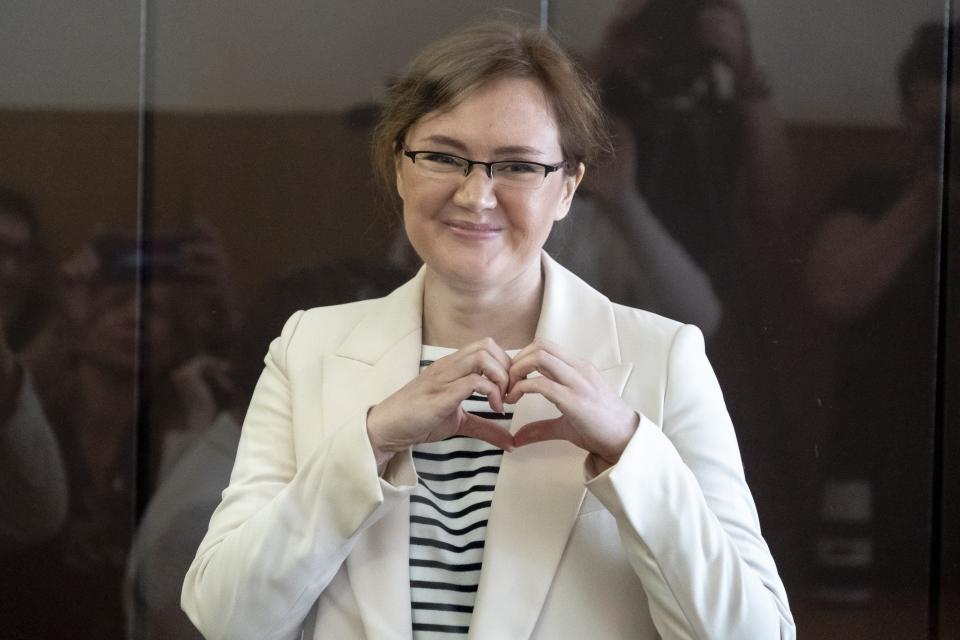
[(523, 174)]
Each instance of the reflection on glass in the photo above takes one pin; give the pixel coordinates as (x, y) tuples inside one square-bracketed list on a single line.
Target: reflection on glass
[(68, 129), (872, 274), (33, 498), (823, 332), (695, 214)]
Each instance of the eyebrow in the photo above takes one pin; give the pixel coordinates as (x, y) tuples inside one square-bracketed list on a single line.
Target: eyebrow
[(499, 151)]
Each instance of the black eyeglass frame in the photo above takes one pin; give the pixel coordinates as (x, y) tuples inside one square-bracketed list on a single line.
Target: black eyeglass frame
[(488, 166)]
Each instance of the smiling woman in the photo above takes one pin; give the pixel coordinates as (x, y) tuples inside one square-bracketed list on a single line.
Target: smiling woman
[(494, 449), (482, 230)]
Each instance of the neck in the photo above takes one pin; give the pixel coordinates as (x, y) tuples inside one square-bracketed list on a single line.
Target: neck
[(456, 315)]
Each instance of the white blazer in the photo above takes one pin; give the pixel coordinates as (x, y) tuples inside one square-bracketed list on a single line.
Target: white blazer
[(309, 541)]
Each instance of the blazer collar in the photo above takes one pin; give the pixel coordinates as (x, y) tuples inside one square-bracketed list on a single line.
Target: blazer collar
[(577, 317), (391, 320), (572, 314)]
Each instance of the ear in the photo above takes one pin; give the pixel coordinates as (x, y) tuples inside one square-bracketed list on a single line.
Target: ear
[(570, 184), (400, 185)]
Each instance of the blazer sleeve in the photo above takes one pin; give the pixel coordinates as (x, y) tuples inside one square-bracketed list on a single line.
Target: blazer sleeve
[(285, 524), (686, 518)]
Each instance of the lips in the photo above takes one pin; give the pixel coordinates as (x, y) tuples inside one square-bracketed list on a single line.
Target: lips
[(476, 229)]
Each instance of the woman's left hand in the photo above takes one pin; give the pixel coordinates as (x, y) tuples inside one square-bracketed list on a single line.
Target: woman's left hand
[(593, 417)]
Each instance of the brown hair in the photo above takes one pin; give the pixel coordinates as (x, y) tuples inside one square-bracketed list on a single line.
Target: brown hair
[(447, 71)]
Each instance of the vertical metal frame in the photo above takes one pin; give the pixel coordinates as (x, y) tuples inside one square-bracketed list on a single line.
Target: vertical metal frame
[(945, 584)]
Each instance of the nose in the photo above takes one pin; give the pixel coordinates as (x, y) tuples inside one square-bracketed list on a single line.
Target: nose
[(476, 191)]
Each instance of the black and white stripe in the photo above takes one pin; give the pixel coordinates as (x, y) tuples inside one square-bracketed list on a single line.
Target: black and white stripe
[(448, 522)]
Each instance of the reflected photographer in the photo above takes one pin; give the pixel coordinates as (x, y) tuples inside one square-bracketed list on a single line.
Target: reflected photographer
[(33, 491), (86, 360), (872, 275)]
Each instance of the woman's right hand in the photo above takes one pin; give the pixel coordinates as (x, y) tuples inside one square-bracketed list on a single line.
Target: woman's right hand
[(428, 408)]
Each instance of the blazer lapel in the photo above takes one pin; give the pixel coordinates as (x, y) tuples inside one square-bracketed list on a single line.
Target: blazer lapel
[(540, 487), (379, 356)]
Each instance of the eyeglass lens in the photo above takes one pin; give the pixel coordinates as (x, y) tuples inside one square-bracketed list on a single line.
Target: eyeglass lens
[(512, 172)]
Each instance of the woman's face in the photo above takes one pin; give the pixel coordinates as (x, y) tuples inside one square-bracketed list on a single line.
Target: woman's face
[(470, 230)]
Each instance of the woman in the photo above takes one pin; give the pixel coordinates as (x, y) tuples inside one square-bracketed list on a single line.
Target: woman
[(342, 500)]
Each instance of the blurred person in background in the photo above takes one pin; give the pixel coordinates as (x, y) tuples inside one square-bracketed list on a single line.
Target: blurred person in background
[(107, 341), (872, 272), (33, 491), (613, 240), (714, 165), (712, 155)]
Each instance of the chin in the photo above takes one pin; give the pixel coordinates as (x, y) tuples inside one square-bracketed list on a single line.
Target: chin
[(462, 267)]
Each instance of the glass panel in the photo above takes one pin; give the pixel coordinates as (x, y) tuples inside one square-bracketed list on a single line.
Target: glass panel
[(787, 155), (69, 130), (263, 199), (949, 600)]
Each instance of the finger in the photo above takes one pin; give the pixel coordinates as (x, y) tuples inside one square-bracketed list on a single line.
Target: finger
[(455, 367), (490, 346), (541, 344), (501, 360), (565, 368), (486, 430), (549, 389), (540, 431), (493, 369), (459, 365), (464, 387), (547, 364)]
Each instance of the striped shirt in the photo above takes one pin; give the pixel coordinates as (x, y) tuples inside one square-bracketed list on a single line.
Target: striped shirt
[(448, 521)]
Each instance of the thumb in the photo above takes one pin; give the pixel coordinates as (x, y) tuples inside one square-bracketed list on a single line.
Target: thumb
[(486, 430), (540, 430)]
